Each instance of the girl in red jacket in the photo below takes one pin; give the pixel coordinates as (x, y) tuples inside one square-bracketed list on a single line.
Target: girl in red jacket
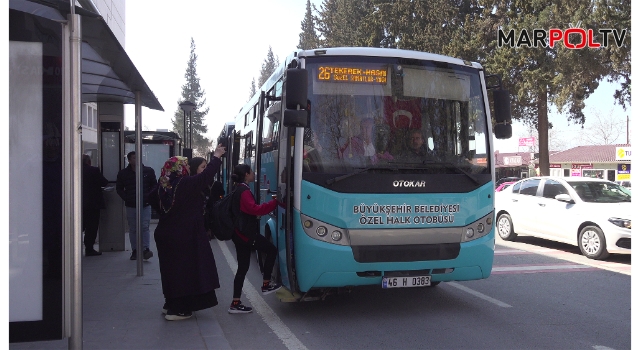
[(247, 238)]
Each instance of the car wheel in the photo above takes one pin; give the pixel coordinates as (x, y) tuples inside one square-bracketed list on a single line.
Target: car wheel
[(592, 243), (434, 283), (505, 227)]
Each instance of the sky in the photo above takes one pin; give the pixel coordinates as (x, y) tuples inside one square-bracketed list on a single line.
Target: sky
[(232, 39)]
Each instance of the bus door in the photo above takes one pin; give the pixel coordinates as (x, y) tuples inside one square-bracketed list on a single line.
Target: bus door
[(294, 118), (283, 217)]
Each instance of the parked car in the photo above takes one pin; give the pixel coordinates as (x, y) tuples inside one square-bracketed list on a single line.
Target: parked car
[(504, 185), (593, 214), (626, 184), (506, 179)]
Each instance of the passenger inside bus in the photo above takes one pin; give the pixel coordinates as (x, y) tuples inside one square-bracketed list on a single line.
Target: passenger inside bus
[(361, 148), (312, 156), (415, 149)]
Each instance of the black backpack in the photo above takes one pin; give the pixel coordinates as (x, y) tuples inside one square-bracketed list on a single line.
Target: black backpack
[(223, 222)]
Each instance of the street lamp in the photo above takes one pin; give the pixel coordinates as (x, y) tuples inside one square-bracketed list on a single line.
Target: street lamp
[(187, 106)]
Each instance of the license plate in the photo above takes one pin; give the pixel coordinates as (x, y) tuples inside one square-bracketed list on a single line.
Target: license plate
[(404, 282)]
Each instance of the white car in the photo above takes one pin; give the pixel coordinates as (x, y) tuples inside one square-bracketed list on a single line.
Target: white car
[(593, 214)]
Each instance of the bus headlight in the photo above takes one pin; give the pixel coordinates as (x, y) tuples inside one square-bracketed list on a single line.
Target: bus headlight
[(469, 232), (322, 231), (478, 228)]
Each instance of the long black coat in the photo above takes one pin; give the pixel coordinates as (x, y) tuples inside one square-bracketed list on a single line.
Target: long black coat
[(92, 183), (187, 265)]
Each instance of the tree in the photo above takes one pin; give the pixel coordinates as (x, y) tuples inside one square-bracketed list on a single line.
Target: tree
[(603, 130), (539, 76), (349, 23), (252, 89), (418, 25), (556, 141), (308, 36), (617, 14), (268, 67), (191, 91)]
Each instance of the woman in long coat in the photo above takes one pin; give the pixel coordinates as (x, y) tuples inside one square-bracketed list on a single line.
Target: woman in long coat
[(187, 266)]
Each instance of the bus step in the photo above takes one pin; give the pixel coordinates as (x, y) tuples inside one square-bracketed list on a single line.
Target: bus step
[(286, 296)]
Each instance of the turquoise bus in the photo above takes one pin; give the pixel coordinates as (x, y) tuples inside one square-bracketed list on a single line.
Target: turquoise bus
[(382, 160)]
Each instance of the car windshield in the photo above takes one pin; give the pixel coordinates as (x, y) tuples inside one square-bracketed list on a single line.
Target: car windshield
[(601, 192)]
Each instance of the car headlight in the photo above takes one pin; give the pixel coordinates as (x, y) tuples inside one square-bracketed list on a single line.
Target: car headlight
[(621, 222)]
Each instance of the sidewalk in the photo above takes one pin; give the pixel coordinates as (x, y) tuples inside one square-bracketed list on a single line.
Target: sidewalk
[(124, 311)]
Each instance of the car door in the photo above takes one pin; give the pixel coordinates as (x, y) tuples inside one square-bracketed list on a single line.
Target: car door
[(554, 216), (521, 204)]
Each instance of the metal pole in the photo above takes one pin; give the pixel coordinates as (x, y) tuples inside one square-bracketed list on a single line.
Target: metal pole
[(628, 130), (139, 189), (190, 131), (73, 155), (184, 129)]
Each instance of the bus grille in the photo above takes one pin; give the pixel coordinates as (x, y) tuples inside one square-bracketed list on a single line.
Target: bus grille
[(404, 253)]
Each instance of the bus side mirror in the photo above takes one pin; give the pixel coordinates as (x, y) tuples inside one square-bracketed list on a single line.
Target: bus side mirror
[(296, 118), (295, 115), (296, 90), (502, 109)]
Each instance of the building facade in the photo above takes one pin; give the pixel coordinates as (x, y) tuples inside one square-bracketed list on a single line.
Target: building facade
[(610, 162), (67, 67)]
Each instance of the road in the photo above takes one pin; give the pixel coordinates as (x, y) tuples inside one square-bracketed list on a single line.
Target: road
[(541, 295)]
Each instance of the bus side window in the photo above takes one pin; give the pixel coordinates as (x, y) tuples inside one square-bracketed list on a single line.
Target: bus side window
[(276, 135), (248, 145), (278, 88), (267, 134)]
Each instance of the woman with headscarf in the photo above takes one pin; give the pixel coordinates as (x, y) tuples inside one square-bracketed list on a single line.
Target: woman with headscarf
[(187, 266), (210, 195)]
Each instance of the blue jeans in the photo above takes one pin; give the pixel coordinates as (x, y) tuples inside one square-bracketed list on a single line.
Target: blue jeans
[(131, 219)]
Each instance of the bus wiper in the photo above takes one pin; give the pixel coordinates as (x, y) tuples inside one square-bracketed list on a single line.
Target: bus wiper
[(455, 167), (359, 171)]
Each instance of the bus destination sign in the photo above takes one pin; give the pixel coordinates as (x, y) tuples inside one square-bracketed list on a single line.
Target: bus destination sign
[(352, 75)]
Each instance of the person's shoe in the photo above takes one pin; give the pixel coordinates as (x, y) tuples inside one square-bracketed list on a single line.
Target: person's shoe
[(164, 309), (177, 316), (147, 254), (133, 255), (92, 252), (238, 308), (270, 287)]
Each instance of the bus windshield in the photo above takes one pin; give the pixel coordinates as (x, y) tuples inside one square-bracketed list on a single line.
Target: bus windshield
[(376, 112)]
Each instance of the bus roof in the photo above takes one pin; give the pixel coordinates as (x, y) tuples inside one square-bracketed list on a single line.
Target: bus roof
[(384, 52)]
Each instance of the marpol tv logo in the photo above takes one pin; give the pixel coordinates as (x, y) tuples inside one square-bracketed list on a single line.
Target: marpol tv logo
[(573, 37)]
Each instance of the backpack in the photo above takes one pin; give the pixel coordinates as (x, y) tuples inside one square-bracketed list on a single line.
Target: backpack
[(222, 219)]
